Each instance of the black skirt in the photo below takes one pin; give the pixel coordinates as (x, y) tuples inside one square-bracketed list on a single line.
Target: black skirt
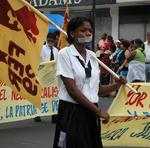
[(77, 127)]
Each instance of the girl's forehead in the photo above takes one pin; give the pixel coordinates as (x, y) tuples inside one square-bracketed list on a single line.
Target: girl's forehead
[(85, 24)]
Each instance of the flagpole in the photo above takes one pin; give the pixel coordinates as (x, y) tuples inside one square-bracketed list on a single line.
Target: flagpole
[(112, 72), (93, 16)]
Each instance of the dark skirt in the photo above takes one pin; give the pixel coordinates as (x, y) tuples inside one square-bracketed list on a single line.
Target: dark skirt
[(77, 127)]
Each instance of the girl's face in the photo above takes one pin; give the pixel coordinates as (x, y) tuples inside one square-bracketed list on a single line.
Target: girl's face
[(135, 45), (83, 31), (122, 47)]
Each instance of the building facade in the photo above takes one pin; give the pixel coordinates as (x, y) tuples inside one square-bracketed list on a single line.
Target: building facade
[(127, 19)]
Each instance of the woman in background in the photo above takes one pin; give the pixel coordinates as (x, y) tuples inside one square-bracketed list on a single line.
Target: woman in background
[(136, 57)]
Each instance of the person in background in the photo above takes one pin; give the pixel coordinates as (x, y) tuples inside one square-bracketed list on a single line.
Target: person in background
[(136, 58), (48, 53), (101, 43), (131, 48), (123, 68), (57, 34), (147, 61), (114, 56), (117, 57), (118, 49), (78, 124), (109, 41), (104, 74)]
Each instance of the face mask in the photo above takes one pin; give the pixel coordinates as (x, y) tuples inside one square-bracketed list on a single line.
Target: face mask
[(85, 39)]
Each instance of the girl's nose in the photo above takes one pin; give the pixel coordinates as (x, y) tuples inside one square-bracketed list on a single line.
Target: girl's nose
[(88, 33)]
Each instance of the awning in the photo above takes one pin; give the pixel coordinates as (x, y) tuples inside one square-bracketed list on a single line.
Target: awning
[(57, 19)]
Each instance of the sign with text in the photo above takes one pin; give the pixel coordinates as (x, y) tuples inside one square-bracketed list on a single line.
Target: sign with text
[(129, 118), (23, 30), (13, 107), (60, 3)]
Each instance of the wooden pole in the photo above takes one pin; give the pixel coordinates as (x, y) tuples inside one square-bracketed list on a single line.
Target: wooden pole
[(93, 19)]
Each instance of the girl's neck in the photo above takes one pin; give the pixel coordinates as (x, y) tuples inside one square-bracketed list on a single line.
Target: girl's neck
[(81, 49)]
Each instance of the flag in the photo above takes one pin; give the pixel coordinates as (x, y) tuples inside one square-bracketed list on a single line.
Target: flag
[(23, 30), (62, 42), (129, 118)]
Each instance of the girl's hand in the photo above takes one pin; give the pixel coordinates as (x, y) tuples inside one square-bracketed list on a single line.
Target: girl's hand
[(105, 117), (121, 80)]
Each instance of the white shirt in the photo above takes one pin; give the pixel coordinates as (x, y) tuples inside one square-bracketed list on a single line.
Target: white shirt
[(147, 51), (46, 53), (69, 66), (136, 71)]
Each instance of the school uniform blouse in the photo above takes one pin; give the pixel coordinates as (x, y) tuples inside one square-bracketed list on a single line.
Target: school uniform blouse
[(46, 53), (69, 66)]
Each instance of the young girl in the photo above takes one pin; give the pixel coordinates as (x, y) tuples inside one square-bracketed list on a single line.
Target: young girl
[(78, 123)]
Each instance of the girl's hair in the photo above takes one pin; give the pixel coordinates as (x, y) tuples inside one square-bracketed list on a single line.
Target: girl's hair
[(125, 43), (113, 48), (74, 24), (110, 38), (51, 35), (132, 42), (140, 43)]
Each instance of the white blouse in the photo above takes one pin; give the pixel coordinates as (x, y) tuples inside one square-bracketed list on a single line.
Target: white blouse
[(69, 66)]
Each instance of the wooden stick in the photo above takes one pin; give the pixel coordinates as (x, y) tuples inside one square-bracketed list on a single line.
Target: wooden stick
[(112, 72)]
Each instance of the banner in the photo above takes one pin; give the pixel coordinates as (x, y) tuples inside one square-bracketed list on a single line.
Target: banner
[(129, 123), (62, 42), (23, 30), (14, 107)]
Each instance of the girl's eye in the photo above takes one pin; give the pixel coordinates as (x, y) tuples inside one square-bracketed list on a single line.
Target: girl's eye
[(82, 30)]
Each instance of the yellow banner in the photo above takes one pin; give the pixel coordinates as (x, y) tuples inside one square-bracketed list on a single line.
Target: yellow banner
[(129, 124), (62, 42), (23, 30), (14, 107)]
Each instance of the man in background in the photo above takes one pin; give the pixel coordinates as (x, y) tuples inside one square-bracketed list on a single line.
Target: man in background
[(48, 53)]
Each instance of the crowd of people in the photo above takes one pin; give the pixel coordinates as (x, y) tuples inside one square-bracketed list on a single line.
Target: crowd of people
[(130, 59)]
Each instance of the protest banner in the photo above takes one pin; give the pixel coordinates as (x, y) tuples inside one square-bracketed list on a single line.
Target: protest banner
[(129, 123), (62, 42), (23, 31), (13, 107)]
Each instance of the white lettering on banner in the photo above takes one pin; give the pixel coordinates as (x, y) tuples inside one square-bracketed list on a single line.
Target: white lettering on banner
[(52, 2), (34, 3), (42, 3), (45, 3)]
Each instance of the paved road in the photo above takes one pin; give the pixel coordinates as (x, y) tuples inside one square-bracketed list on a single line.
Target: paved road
[(30, 134)]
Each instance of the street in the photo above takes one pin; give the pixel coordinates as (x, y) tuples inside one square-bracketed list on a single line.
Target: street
[(31, 134)]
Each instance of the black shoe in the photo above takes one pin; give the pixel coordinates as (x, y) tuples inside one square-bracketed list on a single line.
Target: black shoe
[(37, 119)]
